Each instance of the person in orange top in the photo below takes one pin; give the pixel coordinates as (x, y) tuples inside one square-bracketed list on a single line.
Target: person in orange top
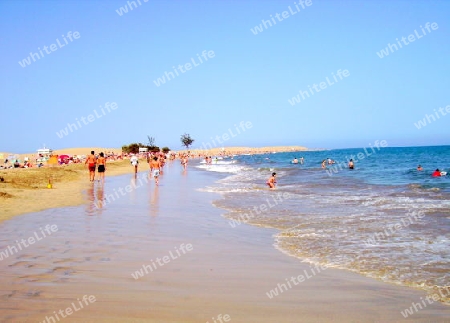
[(101, 167), (91, 161)]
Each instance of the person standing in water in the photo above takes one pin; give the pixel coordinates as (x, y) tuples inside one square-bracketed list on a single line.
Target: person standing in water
[(101, 167), (91, 161), (351, 165), (272, 180)]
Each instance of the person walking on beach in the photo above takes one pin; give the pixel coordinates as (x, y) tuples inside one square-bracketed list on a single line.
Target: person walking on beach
[(155, 166), (134, 161), (162, 162), (184, 161), (101, 167), (272, 180), (91, 161)]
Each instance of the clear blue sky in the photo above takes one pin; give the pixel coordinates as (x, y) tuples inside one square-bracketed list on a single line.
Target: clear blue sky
[(251, 77)]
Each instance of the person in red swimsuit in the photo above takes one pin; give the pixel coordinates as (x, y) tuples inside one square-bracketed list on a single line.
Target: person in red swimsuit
[(91, 161), (436, 173)]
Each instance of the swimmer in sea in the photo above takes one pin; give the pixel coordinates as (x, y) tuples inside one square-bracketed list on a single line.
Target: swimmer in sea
[(351, 165), (436, 173), (419, 168)]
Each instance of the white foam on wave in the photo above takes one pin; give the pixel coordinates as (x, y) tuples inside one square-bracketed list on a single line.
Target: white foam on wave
[(220, 162), (219, 189), (224, 167)]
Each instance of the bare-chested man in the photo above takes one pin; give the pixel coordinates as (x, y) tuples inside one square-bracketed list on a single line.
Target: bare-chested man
[(91, 161), (155, 166)]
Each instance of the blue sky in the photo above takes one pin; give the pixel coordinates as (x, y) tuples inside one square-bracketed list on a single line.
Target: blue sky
[(250, 78)]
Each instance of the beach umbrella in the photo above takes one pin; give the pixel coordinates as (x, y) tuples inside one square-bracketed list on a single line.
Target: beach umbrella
[(64, 158)]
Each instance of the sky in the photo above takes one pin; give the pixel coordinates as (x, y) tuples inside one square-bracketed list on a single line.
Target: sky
[(99, 80)]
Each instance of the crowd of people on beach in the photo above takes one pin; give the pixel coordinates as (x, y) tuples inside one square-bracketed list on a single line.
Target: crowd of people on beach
[(40, 160), (155, 160)]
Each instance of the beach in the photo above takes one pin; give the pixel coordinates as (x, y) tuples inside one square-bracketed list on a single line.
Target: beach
[(68, 181), (135, 252), (25, 190)]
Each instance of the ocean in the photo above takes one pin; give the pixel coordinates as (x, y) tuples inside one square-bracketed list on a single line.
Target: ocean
[(384, 219)]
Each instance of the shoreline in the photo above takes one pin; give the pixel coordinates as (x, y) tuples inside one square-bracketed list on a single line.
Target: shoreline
[(230, 270), (68, 191)]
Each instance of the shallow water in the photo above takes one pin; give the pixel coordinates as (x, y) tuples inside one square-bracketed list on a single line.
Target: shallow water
[(384, 219)]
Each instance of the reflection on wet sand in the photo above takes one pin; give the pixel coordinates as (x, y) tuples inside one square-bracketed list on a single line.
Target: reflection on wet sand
[(95, 199), (154, 201), (100, 196)]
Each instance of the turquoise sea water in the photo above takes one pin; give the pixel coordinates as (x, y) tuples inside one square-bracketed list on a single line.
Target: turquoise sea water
[(384, 219)]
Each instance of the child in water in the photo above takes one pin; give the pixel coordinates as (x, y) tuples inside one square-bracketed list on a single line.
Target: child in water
[(272, 180)]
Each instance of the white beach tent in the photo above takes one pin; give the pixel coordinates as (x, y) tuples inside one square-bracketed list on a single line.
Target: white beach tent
[(44, 151), (143, 150)]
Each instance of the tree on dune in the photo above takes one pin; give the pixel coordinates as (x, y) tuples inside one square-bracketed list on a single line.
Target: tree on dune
[(186, 140), (151, 144)]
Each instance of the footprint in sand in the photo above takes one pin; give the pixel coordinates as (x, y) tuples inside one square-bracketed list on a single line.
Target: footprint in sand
[(32, 279), (33, 293), (26, 264), (62, 270), (12, 294)]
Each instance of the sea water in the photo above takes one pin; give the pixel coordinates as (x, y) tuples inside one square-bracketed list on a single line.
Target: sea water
[(383, 219)]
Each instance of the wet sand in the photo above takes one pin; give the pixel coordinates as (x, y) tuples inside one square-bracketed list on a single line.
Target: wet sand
[(25, 190), (205, 266)]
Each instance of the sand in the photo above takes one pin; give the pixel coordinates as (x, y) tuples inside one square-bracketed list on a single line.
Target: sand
[(25, 190), (227, 271)]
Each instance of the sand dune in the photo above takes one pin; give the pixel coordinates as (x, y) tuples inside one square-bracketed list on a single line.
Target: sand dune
[(213, 151)]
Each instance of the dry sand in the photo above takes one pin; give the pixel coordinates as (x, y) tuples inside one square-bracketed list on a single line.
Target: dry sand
[(24, 190)]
